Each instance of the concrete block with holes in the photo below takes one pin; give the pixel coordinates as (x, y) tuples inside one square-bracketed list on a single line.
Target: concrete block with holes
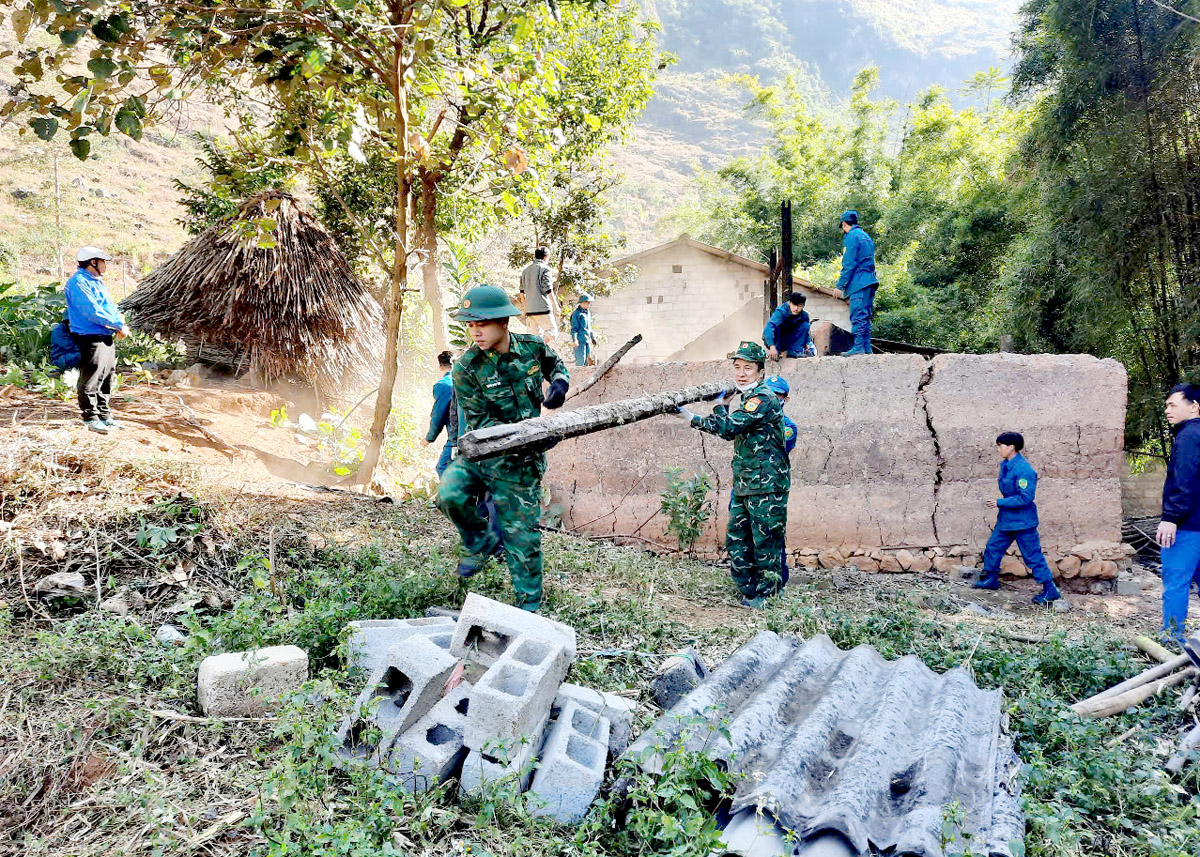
[(517, 691), (487, 628), (503, 764), (372, 640), (249, 684), (397, 695), (572, 764), (617, 710), (431, 751)]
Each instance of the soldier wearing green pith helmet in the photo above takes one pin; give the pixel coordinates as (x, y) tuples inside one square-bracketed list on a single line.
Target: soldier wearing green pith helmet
[(499, 380), (762, 476)]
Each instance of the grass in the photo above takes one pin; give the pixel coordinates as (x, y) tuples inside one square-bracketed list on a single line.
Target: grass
[(89, 768)]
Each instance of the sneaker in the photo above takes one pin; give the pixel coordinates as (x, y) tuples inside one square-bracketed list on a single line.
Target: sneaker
[(853, 352), (97, 426), (111, 423), (754, 603)]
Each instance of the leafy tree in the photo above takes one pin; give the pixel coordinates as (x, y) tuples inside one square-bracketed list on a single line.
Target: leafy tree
[(232, 176)]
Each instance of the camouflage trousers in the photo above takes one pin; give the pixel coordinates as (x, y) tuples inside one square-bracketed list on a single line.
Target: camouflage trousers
[(518, 508), (754, 539)]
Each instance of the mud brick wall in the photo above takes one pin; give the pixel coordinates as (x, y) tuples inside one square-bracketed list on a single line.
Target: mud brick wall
[(894, 451)]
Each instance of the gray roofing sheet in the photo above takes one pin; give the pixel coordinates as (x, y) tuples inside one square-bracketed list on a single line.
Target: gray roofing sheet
[(847, 741)]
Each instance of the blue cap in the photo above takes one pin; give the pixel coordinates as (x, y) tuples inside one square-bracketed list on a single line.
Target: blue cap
[(778, 385), (850, 217)]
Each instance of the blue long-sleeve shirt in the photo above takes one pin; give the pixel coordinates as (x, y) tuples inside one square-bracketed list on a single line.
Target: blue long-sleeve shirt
[(858, 262), (443, 415), (1181, 490), (89, 308), (1018, 485), (581, 326), (788, 331)]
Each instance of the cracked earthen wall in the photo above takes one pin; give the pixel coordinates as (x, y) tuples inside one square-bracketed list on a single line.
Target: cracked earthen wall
[(893, 450)]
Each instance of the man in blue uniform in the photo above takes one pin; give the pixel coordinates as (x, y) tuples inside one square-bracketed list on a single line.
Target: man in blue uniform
[(1016, 520), (581, 330), (1179, 533), (444, 414), (787, 331), (780, 387), (95, 323), (858, 281)]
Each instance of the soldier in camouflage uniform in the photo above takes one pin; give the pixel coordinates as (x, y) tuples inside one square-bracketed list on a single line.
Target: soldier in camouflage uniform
[(762, 476), (499, 380)]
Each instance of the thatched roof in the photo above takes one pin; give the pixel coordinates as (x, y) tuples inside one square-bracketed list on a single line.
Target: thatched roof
[(295, 309)]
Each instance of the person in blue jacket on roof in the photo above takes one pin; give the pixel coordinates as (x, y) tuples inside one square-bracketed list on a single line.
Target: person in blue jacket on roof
[(780, 387), (858, 281), (787, 331), (1016, 520), (95, 324)]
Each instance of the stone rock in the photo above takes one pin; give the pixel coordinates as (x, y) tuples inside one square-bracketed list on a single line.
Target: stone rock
[(943, 565), (809, 561), (936, 551), (1015, 567), (905, 558), (966, 572), (1062, 605), (169, 635), (678, 675), (832, 558), (889, 563), (1108, 570), (921, 563), (117, 604), (864, 563), (249, 684), (1069, 566), (61, 584), (23, 193), (1092, 568), (1128, 586), (978, 609), (876, 554)]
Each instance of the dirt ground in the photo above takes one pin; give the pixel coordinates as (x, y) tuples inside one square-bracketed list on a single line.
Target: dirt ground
[(223, 430)]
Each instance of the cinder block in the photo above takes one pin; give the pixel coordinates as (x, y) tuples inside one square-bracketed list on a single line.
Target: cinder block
[(676, 678), (617, 710), (396, 696), (372, 639), (432, 750), (1128, 586), (486, 628), (517, 690), (249, 684), (572, 765), (503, 760)]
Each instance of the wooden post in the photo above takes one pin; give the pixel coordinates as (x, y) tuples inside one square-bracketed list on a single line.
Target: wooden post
[(771, 292), (603, 370), (785, 243), (545, 430)]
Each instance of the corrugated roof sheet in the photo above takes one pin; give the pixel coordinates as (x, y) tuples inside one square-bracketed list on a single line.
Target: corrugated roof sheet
[(850, 742)]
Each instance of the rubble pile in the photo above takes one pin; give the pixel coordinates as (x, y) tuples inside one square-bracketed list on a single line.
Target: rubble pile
[(482, 698)]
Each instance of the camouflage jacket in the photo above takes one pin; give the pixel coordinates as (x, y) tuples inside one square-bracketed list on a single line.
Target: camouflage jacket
[(760, 460), (494, 389)]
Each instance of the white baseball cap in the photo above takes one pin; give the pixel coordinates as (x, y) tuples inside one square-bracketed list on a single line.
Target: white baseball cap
[(86, 254)]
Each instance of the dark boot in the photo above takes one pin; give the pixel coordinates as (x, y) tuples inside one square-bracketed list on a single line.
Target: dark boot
[(1048, 594), (469, 566), (989, 580)]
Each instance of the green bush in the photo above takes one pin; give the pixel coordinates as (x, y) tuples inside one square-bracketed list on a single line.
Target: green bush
[(25, 321), (686, 504)]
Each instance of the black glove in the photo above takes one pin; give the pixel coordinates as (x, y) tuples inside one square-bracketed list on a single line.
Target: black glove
[(556, 395)]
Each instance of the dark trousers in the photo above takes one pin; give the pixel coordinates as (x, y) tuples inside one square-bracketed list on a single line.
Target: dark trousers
[(97, 365), (862, 311), (1031, 551)]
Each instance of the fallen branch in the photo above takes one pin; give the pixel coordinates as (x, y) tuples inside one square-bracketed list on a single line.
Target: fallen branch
[(1141, 679), (604, 367), (165, 714), (1155, 650), (1110, 705), (540, 432), (1187, 743)]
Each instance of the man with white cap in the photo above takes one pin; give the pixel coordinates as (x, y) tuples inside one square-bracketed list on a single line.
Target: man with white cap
[(95, 322)]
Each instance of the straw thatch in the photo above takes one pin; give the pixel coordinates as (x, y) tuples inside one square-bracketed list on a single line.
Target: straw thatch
[(292, 310)]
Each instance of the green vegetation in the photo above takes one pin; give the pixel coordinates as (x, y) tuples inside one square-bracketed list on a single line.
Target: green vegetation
[(687, 505)]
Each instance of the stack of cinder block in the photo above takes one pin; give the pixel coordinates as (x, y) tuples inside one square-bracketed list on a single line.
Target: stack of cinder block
[(477, 698)]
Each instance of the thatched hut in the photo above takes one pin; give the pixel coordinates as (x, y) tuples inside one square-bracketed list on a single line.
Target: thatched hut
[(291, 310)]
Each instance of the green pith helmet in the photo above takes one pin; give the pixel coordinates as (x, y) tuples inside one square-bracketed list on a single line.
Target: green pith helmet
[(751, 351), (484, 303)]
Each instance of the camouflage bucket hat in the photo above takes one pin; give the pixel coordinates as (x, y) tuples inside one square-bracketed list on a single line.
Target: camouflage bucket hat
[(752, 351), (485, 303)]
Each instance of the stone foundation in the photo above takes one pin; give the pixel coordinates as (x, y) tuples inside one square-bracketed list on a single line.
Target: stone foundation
[(894, 460)]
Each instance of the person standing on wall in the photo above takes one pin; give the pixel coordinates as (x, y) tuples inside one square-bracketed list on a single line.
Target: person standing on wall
[(858, 281), (1179, 532), (1016, 520), (762, 476), (95, 322), (541, 304), (787, 331), (581, 330), (499, 380)]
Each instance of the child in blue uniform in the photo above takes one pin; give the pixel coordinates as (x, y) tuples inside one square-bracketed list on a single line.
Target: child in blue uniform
[(780, 387), (1016, 520), (581, 330)]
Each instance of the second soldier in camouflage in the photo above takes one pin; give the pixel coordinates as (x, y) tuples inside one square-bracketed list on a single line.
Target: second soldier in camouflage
[(762, 476)]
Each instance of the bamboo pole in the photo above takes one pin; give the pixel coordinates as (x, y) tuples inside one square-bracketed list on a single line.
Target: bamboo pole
[(544, 430), (604, 367), (1142, 678), (1155, 650), (1109, 705)]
